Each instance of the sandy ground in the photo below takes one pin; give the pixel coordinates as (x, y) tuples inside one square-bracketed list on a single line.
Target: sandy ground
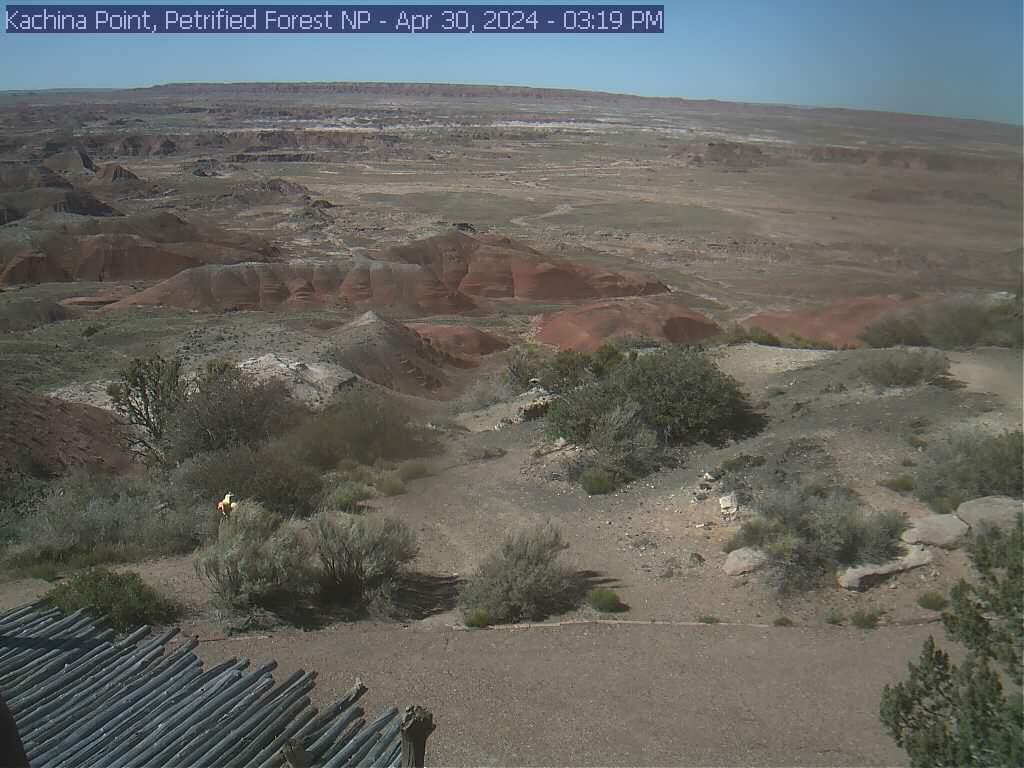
[(617, 695)]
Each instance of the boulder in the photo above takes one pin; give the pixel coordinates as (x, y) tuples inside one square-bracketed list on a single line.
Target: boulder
[(744, 560), (937, 530), (862, 576), (999, 511)]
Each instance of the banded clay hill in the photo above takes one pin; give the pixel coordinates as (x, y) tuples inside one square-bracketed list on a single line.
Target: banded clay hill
[(422, 247)]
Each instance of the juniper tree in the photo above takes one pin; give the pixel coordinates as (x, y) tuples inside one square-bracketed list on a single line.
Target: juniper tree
[(970, 715)]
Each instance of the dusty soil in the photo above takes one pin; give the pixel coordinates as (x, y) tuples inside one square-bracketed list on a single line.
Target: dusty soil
[(467, 215)]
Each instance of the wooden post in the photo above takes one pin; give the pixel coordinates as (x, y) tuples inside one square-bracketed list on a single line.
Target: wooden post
[(417, 725)]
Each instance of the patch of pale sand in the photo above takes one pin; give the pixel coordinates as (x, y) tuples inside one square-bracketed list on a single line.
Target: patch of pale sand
[(754, 364), (92, 393), (993, 370)]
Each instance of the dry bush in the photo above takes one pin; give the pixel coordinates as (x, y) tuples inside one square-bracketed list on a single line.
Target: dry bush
[(968, 465), (951, 324), (273, 475), (361, 558), (522, 580), (903, 368), (360, 425), (258, 558), (225, 408)]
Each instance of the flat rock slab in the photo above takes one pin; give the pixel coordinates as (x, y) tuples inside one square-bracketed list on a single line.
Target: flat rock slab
[(999, 511), (862, 576), (937, 530), (743, 560)]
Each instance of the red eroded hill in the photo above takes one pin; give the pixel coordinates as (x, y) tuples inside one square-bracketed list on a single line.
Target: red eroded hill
[(588, 327), (146, 247), (460, 339), (840, 322), (500, 268), (54, 436)]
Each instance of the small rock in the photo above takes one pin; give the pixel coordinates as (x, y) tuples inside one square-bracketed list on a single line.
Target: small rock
[(937, 530), (696, 559), (1000, 511), (743, 560), (861, 576)]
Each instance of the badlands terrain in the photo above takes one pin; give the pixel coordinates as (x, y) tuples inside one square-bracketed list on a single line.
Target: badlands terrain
[(411, 236)]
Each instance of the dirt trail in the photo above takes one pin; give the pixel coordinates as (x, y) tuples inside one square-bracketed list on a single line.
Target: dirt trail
[(617, 695), (994, 370)]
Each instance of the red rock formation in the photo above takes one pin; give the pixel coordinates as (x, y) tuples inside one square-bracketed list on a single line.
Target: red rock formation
[(587, 327), (462, 340)]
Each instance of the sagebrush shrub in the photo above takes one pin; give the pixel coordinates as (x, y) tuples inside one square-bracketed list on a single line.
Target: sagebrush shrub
[(524, 579), (566, 371), (968, 465), (903, 368), (597, 481), (623, 446), (524, 365), (346, 495), (951, 324), (258, 558), (360, 558), (575, 414), (123, 598), (605, 600)]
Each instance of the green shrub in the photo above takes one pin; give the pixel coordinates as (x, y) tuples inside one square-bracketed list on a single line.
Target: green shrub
[(932, 601), (605, 600), (273, 475), (390, 484), (361, 558), (124, 598), (566, 371), (807, 535), (605, 359), (622, 446), (708, 619), (522, 580), (597, 481), (346, 495), (147, 393), (835, 619), (783, 621), (413, 470), (865, 619), (684, 397), (969, 465), (478, 619), (225, 408), (258, 558), (738, 334), (951, 324), (903, 368), (85, 519), (574, 415), (900, 483), (361, 425), (524, 365)]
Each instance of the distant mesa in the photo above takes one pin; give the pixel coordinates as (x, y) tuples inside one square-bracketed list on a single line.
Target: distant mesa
[(587, 327), (461, 340), (729, 155), (14, 178), (840, 323), (18, 205), (22, 314), (55, 436)]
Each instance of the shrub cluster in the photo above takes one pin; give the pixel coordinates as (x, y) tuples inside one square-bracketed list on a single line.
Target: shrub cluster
[(524, 579), (953, 324), (123, 598), (903, 368), (808, 533), (968, 465), (261, 558), (671, 396)]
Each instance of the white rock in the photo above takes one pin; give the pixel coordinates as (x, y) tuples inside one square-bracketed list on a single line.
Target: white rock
[(1000, 511), (860, 576), (937, 530), (728, 503), (743, 560)]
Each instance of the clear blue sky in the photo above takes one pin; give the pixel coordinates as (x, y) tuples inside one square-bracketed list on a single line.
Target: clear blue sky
[(940, 57)]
